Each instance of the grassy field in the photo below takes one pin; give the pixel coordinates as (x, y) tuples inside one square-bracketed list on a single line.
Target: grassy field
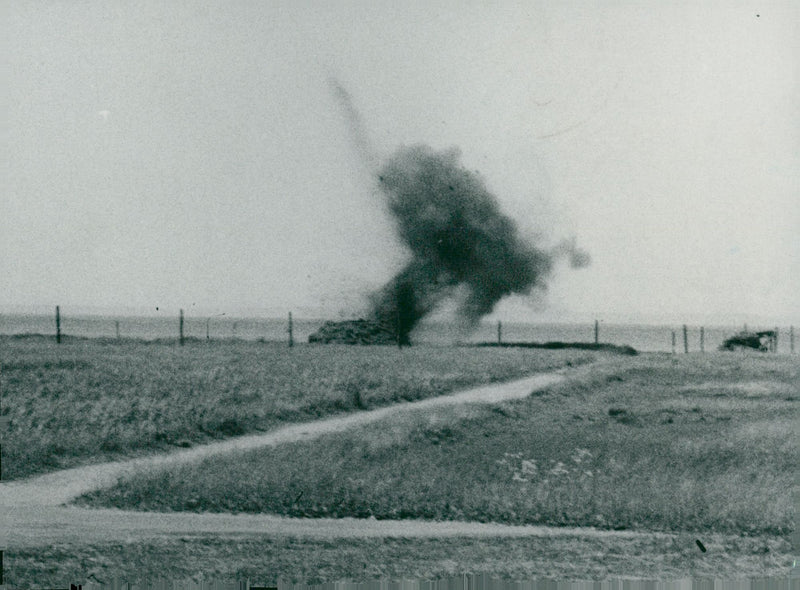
[(92, 400), (686, 443), (266, 560)]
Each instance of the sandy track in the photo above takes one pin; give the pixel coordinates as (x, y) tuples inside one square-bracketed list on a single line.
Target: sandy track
[(37, 526), (32, 511)]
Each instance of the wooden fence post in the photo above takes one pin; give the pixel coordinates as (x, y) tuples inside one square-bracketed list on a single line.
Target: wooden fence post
[(181, 328), (3, 423), (58, 325), (291, 331), (673, 342), (685, 339), (499, 332), (596, 332), (397, 319), (776, 340), (702, 339)]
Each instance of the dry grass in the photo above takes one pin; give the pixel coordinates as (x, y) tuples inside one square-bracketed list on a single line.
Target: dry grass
[(644, 444), (266, 560), (92, 400)]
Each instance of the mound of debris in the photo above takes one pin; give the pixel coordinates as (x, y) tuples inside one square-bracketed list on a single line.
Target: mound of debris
[(354, 332)]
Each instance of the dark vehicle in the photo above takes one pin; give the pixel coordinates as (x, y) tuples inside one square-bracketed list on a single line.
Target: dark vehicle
[(763, 341)]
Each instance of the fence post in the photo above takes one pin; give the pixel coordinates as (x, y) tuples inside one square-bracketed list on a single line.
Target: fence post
[(58, 325), (596, 332), (399, 333), (291, 331), (776, 340), (3, 423), (397, 321), (673, 342), (702, 339), (499, 332), (181, 328), (117, 326), (685, 339)]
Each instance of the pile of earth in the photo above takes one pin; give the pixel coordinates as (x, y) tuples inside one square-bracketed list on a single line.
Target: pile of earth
[(354, 332)]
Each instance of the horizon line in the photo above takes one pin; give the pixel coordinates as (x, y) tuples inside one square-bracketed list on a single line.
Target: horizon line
[(308, 313)]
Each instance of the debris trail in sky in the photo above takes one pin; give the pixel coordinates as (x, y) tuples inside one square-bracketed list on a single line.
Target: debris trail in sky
[(356, 125)]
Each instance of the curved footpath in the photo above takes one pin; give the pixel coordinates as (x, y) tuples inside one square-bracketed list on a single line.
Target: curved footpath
[(33, 511)]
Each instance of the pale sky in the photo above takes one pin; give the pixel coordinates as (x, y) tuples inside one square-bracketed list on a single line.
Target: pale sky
[(193, 154)]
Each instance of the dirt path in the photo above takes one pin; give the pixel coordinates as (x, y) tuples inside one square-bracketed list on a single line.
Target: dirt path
[(35, 522), (32, 511), (37, 526)]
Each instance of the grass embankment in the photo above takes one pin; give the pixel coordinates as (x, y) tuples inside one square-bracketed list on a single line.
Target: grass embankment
[(689, 443), (92, 400)]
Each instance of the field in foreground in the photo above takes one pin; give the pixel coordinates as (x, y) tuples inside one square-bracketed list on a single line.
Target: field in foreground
[(87, 401), (705, 444), (266, 560)]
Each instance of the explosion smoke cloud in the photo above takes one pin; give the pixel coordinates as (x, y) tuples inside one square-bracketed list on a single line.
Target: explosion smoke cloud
[(460, 242), (577, 258), (457, 236)]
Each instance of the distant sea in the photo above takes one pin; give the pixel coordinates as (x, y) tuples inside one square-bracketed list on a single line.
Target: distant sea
[(641, 337)]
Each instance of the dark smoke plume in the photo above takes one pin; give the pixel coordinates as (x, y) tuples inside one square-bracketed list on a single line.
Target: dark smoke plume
[(460, 241), (577, 258), (457, 236)]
